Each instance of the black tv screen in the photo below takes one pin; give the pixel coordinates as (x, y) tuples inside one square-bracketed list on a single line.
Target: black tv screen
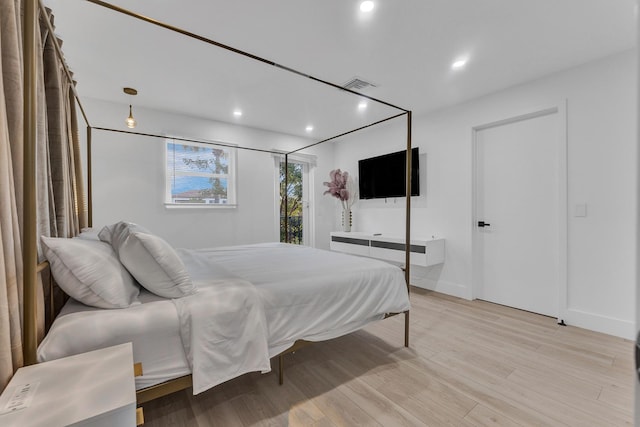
[(385, 176)]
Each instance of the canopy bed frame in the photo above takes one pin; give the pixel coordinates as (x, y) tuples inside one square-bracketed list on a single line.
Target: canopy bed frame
[(30, 254)]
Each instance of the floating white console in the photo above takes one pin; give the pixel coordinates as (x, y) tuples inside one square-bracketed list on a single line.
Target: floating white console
[(423, 252)]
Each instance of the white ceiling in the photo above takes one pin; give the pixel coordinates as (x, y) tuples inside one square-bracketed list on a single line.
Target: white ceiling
[(405, 47)]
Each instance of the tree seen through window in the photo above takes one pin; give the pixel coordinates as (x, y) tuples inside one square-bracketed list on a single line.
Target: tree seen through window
[(294, 203)]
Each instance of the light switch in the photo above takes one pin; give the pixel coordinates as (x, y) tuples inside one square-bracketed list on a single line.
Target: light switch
[(580, 210)]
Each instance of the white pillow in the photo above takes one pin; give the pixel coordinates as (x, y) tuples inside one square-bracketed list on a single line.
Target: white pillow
[(151, 260), (89, 272), (88, 234), (106, 233)]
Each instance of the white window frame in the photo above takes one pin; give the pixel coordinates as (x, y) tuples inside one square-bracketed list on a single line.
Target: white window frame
[(230, 176)]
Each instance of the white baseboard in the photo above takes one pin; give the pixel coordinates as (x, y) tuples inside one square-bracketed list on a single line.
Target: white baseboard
[(596, 322), (442, 286)]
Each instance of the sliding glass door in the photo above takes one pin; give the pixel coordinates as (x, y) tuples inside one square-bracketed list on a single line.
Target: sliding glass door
[(297, 192)]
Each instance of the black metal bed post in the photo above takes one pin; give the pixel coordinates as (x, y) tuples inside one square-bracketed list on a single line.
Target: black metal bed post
[(287, 238), (407, 249), (89, 181), (175, 138)]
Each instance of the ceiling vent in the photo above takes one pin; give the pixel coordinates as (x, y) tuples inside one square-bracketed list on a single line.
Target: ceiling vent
[(357, 83)]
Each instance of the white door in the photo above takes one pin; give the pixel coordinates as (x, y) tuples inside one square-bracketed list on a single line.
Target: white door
[(518, 175)]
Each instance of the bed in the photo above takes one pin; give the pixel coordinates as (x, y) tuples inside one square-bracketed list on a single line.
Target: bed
[(304, 294)]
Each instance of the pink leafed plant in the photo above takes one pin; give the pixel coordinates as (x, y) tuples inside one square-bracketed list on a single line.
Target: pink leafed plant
[(340, 187)]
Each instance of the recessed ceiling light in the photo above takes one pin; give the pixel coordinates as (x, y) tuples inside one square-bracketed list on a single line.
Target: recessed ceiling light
[(362, 105), (459, 63), (309, 128), (237, 113), (366, 6)]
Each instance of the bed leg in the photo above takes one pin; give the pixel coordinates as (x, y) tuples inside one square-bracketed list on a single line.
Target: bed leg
[(281, 369), (406, 329)]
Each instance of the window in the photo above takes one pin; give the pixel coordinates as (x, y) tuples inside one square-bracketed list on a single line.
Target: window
[(200, 174)]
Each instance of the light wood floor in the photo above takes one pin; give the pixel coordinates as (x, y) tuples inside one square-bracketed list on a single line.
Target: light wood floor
[(471, 363)]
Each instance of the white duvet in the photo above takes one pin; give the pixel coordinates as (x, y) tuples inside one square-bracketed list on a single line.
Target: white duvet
[(307, 293), (223, 331), (304, 293)]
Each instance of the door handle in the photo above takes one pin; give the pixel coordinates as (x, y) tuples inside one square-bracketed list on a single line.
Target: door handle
[(483, 224)]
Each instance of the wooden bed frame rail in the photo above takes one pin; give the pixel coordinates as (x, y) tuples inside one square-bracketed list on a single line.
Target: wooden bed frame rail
[(159, 390), (30, 263)]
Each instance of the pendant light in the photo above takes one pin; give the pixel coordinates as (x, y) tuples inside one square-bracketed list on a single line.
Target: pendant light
[(130, 121)]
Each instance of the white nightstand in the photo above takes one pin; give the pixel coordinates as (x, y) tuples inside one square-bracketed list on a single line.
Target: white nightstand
[(90, 389)]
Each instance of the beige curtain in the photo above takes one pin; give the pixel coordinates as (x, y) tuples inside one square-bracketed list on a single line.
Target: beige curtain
[(63, 213), (11, 150), (60, 221), (59, 190)]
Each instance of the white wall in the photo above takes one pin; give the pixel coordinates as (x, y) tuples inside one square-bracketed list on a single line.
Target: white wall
[(602, 165), (128, 179)]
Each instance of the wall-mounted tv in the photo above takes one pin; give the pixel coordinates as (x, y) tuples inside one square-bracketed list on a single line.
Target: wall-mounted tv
[(385, 176)]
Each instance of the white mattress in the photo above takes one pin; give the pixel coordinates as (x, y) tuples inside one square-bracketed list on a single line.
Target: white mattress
[(307, 294), (152, 327)]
